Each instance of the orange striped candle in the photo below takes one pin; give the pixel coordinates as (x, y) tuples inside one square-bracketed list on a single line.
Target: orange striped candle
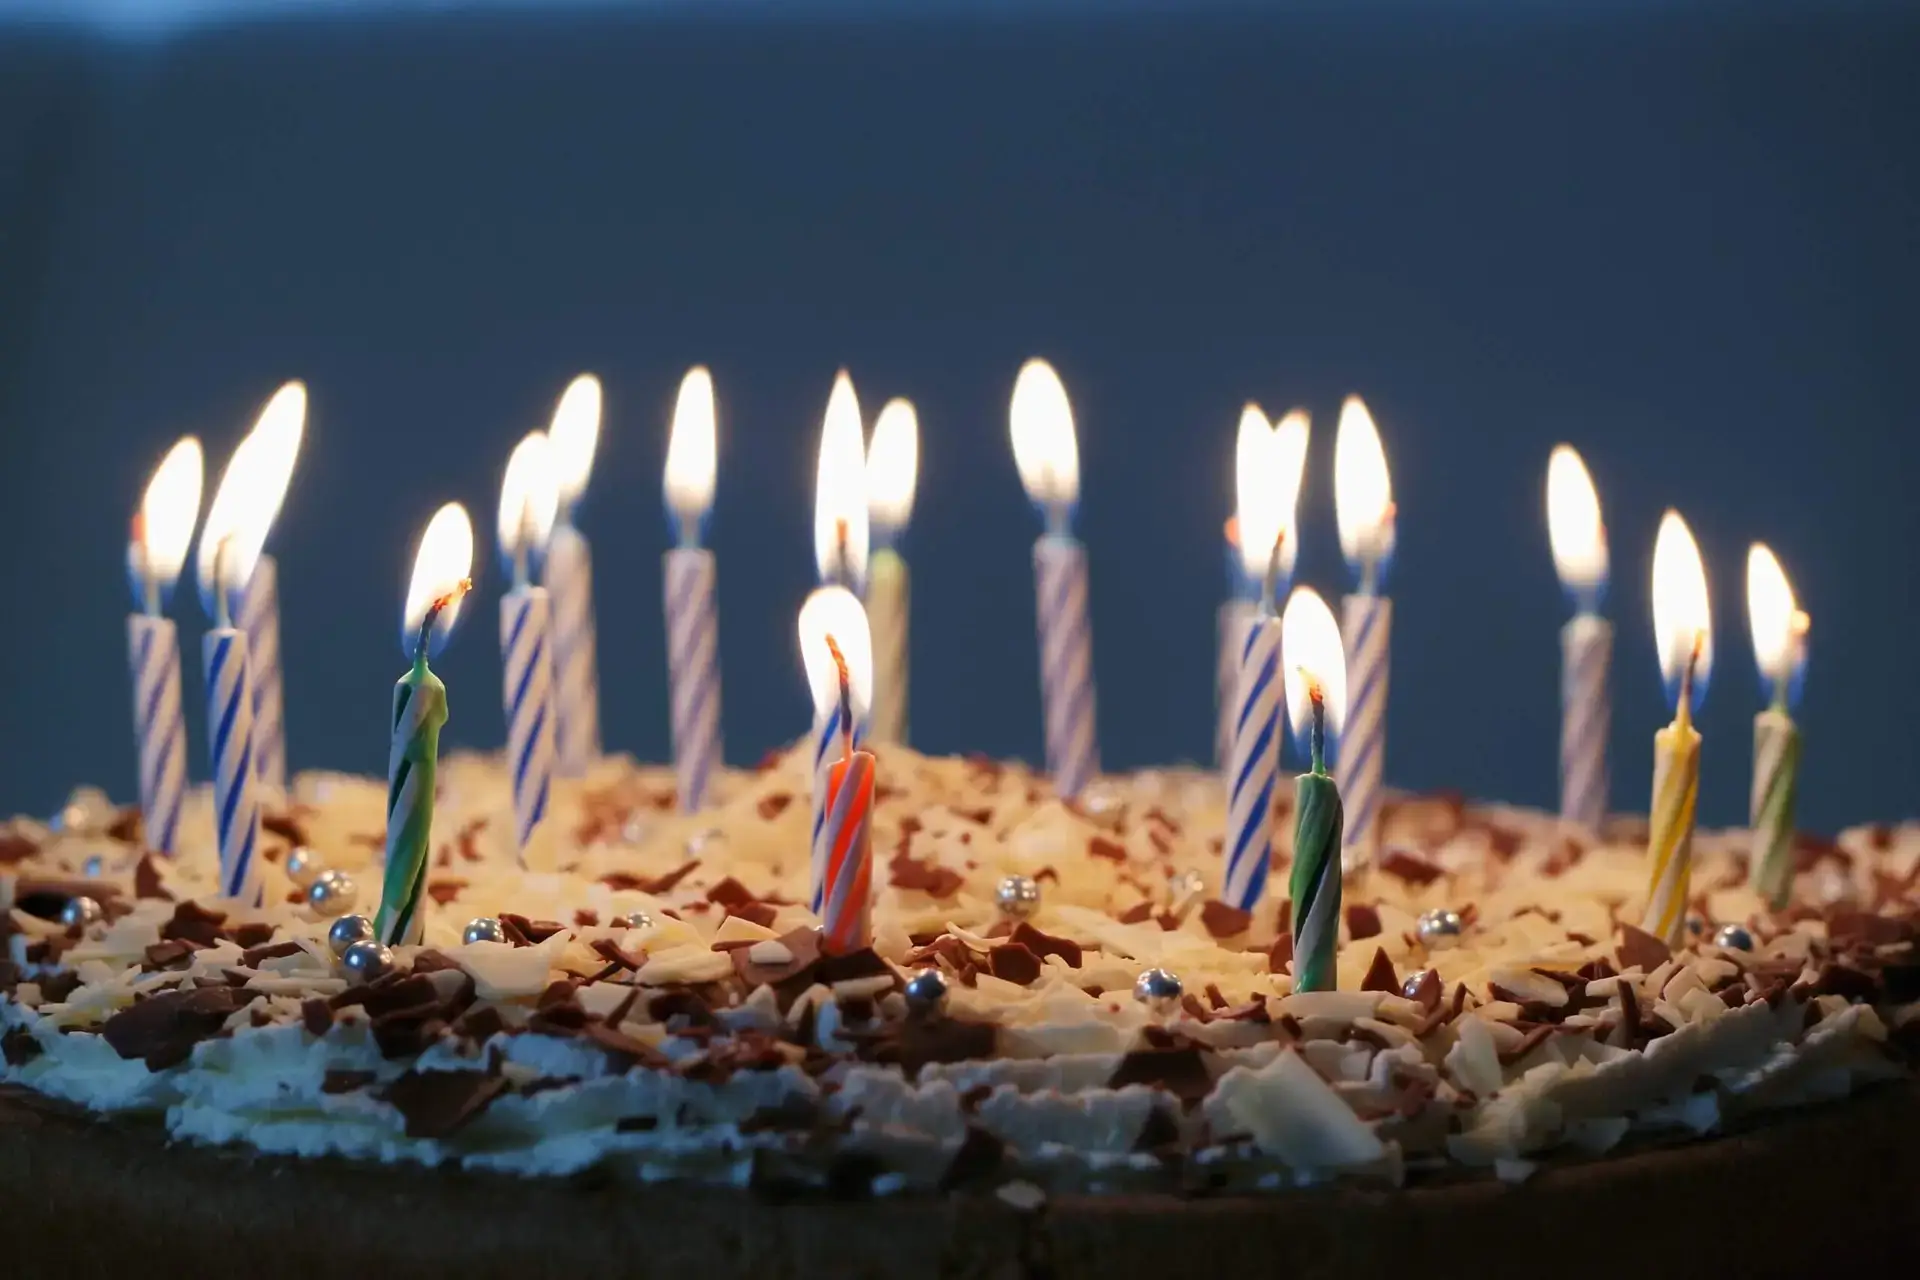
[(846, 913)]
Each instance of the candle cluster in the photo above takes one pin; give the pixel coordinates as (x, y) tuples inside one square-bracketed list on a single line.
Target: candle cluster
[(1296, 666)]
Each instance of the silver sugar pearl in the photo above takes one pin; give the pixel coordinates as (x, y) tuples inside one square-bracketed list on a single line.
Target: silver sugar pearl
[(1017, 896), (1103, 801), (87, 810), (1733, 937), (93, 867), (366, 961), (1159, 990), (332, 893), (635, 919), (302, 866), (346, 931), (81, 911), (927, 993), (484, 929), (1439, 928)]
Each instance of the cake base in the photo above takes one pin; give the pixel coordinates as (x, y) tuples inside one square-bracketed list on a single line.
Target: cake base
[(1804, 1194)]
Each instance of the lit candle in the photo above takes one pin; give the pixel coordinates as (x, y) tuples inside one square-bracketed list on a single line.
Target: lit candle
[(1780, 651), (568, 575), (1253, 762), (279, 429), (1363, 500), (1246, 568), (840, 492), (419, 710), (840, 705), (1316, 702), (693, 625), (236, 527), (1682, 627), (893, 463), (1579, 539), (1048, 457), (155, 555), (528, 502)]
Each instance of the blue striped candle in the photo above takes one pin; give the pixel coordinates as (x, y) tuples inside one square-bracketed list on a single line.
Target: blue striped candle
[(159, 727), (693, 672), (236, 806), (1235, 618), (1578, 538), (1066, 662), (526, 626), (1254, 764), (569, 578), (1363, 501), (260, 619)]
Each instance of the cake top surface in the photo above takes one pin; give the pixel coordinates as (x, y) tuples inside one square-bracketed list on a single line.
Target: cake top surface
[(708, 1037)]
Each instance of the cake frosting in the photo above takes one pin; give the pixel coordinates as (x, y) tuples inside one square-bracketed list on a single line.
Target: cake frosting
[(708, 1039)]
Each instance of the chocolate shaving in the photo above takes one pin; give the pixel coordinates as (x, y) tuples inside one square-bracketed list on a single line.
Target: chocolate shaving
[(1280, 954), (773, 805), (1111, 850), (1428, 989), (172, 954), (15, 849), (1179, 1070), (1528, 1043), (256, 956), (194, 923), (914, 1043), (163, 1028), (907, 872), (1012, 962), (438, 1104), (317, 1016), (1638, 947), (284, 825), (1138, 913), (146, 879), (861, 963), (1410, 867), (534, 931), (1380, 974), (1224, 921), (444, 891), (1047, 944), (482, 1022), (1362, 922), (339, 1080), (255, 934), (19, 1047), (978, 1155)]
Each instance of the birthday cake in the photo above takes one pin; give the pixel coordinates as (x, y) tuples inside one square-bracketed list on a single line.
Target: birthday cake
[(1056, 1009)]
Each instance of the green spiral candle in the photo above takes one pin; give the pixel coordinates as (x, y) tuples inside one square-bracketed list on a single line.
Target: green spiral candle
[(419, 710), (1318, 818), (1779, 629)]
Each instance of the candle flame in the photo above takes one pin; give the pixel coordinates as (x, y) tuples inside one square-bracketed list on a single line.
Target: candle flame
[(893, 464), (1574, 527), (691, 448), (1362, 488), (529, 499), (1316, 662), (1044, 447), (1268, 464), (836, 612), (252, 488), (1778, 625), (575, 433), (168, 511), (440, 569), (840, 490), (1681, 612)]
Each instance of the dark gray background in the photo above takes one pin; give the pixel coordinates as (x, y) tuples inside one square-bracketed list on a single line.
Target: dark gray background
[(1684, 238)]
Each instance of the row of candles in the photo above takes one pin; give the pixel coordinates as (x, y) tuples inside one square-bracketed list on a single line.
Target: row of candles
[(853, 634)]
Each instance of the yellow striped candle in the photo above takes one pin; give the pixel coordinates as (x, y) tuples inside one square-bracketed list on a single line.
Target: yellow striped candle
[(1683, 628)]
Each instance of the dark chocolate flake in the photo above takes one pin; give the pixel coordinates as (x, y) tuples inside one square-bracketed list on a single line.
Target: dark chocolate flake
[(1363, 922), (194, 923), (162, 1029), (1014, 963), (1380, 974), (1222, 920), (1179, 1070), (1638, 947), (438, 1104), (19, 1047)]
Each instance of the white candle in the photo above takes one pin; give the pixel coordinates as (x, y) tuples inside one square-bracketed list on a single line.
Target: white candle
[(155, 555), (528, 503), (893, 462), (1579, 540), (1363, 500), (692, 613), (575, 433), (236, 527), (833, 611), (1048, 457)]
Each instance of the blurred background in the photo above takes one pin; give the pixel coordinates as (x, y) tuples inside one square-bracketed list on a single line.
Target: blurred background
[(1680, 236)]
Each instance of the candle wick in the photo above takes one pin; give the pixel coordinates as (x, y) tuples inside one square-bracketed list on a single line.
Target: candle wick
[(1317, 736), (1057, 515), (843, 569), (143, 566), (523, 547), (434, 610), (222, 609), (1269, 585), (689, 531), (846, 696), (1684, 711)]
